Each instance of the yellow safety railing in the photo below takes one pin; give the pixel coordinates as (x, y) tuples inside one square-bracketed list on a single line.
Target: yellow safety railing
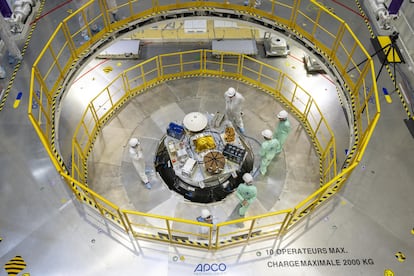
[(308, 20)]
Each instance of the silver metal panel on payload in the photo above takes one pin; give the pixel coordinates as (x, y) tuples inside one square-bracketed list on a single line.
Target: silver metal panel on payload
[(239, 46), (122, 49)]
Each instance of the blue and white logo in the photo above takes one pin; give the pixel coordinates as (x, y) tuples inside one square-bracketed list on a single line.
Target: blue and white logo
[(214, 267)]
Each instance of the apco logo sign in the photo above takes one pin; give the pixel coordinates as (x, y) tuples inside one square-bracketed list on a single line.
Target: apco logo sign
[(214, 267)]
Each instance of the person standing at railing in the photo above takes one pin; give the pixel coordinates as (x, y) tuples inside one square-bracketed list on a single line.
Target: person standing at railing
[(88, 13), (234, 102), (135, 152), (246, 193), (205, 217), (257, 3), (269, 149), (112, 6), (283, 128)]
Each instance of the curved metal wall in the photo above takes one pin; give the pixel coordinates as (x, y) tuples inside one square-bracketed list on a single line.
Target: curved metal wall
[(61, 57)]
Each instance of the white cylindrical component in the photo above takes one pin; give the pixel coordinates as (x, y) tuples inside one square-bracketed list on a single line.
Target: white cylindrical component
[(8, 40), (16, 17), (22, 12), (378, 7), (32, 3), (17, 3), (382, 15)]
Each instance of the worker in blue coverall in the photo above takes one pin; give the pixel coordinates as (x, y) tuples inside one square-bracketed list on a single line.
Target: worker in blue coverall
[(268, 150), (246, 193), (283, 128)]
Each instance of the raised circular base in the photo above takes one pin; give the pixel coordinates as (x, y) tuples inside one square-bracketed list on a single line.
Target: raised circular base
[(213, 189)]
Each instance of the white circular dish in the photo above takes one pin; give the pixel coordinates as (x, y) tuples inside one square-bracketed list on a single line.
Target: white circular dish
[(195, 121)]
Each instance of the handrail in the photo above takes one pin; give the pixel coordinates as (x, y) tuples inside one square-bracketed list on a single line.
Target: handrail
[(58, 59)]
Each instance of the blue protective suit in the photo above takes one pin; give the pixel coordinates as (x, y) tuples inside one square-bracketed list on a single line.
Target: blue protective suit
[(282, 131), (248, 193), (268, 151)]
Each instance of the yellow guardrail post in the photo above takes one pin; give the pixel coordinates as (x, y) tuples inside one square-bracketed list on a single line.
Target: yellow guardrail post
[(294, 13), (87, 130), (253, 221), (285, 223), (167, 223), (103, 6)]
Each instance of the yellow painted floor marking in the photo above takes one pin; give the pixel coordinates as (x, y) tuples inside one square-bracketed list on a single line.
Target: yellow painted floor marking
[(388, 272), (387, 96), (16, 104), (388, 99), (17, 100), (15, 266), (107, 69), (400, 256)]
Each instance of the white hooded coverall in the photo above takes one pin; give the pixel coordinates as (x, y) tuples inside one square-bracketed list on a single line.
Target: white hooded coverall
[(138, 162), (234, 109)]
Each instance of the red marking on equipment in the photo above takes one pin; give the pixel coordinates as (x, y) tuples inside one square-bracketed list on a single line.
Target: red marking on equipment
[(52, 10), (93, 68)]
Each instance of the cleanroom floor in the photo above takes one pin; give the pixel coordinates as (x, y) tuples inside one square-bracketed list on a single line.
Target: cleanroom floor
[(364, 230)]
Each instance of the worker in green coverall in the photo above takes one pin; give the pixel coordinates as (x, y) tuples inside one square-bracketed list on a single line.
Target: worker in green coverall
[(269, 149), (283, 128), (246, 193)]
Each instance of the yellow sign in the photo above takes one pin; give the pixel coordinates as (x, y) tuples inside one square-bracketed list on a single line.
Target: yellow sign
[(388, 49)]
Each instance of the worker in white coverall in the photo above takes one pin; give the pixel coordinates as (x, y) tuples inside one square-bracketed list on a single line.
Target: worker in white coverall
[(205, 217), (112, 7), (234, 103), (89, 15), (268, 150), (283, 128), (86, 15), (246, 192), (137, 157), (9, 41)]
